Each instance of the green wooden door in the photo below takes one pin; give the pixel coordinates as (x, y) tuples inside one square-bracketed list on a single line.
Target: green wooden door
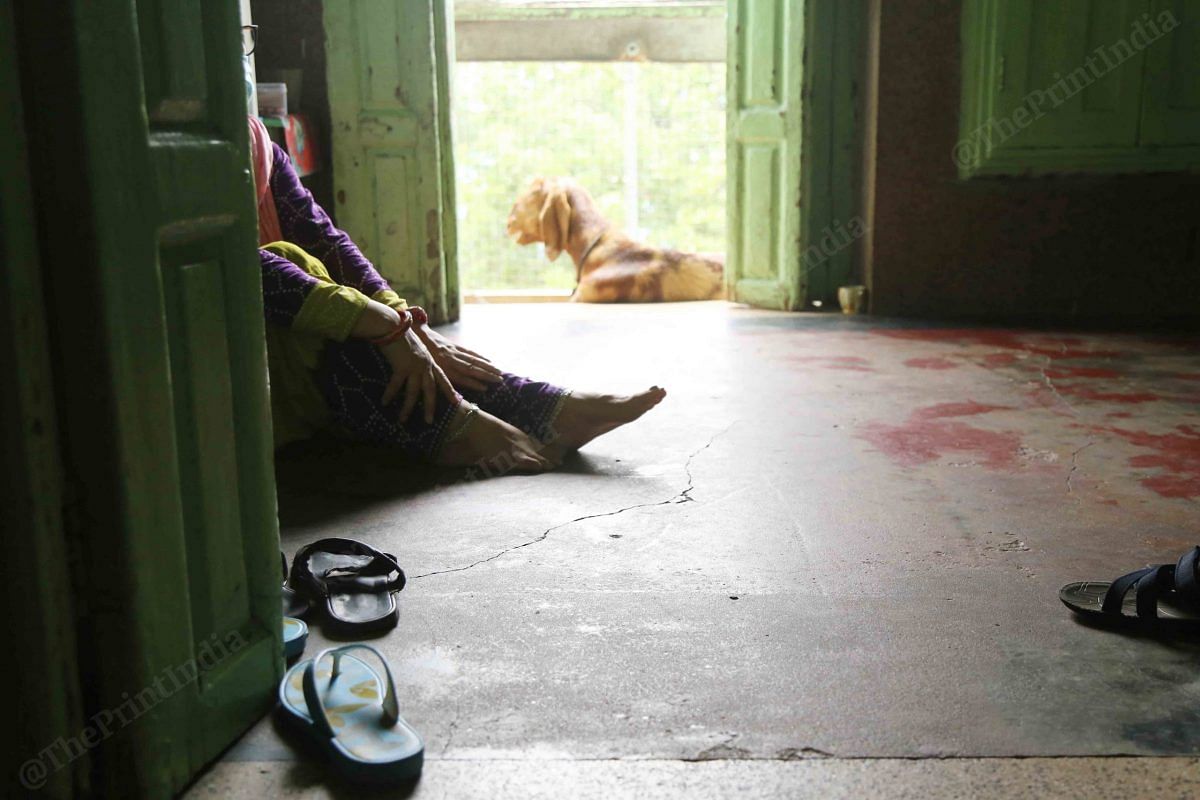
[(148, 236), (389, 157), (1171, 108), (763, 251), (44, 704), (1050, 66)]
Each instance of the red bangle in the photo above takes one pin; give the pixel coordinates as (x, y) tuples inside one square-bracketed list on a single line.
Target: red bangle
[(406, 321), (419, 316)]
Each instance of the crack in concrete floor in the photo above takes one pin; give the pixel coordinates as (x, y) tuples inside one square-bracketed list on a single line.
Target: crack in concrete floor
[(1048, 363), (1075, 464), (684, 496)]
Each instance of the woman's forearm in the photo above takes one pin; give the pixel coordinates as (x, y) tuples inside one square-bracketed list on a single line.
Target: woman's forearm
[(376, 320)]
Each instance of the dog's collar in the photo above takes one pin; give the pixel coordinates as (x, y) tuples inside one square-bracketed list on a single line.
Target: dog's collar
[(587, 252)]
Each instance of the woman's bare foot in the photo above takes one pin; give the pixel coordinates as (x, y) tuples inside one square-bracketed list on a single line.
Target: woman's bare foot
[(585, 416), (491, 445)]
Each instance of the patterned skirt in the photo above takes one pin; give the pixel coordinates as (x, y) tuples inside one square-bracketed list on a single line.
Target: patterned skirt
[(353, 375)]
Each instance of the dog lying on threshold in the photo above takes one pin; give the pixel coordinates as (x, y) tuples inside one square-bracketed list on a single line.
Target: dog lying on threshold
[(609, 268)]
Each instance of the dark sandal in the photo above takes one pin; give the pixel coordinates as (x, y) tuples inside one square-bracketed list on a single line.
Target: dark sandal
[(355, 582), (1167, 595), (294, 604)]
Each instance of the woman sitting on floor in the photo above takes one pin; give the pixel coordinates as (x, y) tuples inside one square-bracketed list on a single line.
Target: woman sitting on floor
[(346, 353)]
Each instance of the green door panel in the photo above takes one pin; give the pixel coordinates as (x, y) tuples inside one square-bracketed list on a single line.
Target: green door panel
[(1172, 85), (149, 236), (763, 153), (1048, 64), (387, 151), (44, 705)]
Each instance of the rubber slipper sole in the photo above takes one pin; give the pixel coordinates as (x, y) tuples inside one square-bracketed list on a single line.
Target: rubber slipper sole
[(1086, 597)]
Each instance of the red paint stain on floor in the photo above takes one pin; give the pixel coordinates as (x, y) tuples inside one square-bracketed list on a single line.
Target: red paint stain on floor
[(930, 363), (1176, 455), (968, 408), (999, 360), (1052, 347), (935, 431)]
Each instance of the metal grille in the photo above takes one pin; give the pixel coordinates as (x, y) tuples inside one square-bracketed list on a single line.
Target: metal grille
[(647, 140)]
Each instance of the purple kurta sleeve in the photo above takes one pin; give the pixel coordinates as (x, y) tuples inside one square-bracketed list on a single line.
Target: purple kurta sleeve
[(285, 287), (306, 224)]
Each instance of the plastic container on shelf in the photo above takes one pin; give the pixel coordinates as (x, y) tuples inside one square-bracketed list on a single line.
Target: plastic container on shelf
[(272, 99)]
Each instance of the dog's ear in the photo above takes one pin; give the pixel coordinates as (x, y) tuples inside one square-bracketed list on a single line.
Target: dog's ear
[(555, 220)]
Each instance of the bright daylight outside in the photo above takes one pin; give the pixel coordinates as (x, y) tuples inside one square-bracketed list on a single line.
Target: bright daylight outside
[(646, 139)]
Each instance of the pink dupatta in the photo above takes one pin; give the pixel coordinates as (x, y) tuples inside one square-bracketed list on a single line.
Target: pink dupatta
[(262, 156)]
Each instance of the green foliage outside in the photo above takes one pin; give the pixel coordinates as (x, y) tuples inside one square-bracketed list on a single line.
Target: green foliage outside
[(518, 120)]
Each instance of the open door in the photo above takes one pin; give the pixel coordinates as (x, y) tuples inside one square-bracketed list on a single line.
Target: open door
[(388, 73), (137, 131), (762, 257), (794, 143)]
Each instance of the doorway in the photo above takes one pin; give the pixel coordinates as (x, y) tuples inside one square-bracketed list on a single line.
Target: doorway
[(793, 76), (628, 100)]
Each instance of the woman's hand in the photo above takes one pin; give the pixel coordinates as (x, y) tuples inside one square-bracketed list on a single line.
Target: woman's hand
[(414, 370), (465, 368)]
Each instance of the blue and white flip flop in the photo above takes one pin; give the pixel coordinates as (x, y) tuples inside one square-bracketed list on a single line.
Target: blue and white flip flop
[(351, 713), (295, 634)]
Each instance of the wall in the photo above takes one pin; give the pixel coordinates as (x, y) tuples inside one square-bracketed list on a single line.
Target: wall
[(291, 34), (1084, 249)]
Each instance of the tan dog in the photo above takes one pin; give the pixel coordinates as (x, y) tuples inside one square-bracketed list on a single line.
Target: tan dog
[(609, 268)]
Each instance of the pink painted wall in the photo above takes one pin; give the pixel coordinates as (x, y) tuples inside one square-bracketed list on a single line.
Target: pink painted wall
[(1070, 248)]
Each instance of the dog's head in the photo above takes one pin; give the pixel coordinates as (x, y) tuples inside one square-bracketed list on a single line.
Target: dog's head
[(542, 214)]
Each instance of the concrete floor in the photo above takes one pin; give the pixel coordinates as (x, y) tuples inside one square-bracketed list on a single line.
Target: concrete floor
[(827, 565)]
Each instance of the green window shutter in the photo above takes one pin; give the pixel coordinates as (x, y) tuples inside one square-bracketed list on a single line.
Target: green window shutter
[(387, 168), (1171, 114), (1053, 63), (1078, 85)]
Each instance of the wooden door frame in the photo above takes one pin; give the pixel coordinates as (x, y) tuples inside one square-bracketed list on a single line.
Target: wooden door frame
[(834, 194), (444, 58), (37, 587)]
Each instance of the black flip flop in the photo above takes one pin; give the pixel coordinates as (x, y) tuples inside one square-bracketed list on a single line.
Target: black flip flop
[(1167, 595), (355, 582), (294, 605)]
